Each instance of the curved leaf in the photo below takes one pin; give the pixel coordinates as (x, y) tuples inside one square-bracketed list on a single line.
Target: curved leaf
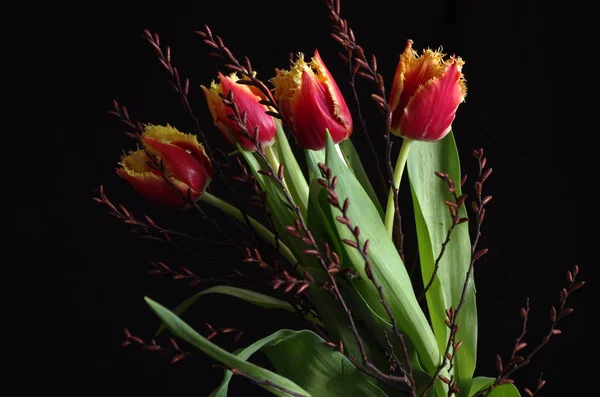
[(507, 390), (256, 298), (305, 358), (481, 383), (182, 330), (432, 223), (293, 175)]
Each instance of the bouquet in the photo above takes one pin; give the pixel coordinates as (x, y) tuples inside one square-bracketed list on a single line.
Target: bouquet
[(319, 234)]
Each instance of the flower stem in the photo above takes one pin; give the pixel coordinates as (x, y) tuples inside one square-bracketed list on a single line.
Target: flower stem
[(398, 171), (262, 231)]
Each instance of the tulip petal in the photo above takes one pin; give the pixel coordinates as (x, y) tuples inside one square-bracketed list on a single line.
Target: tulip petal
[(247, 101), (430, 112), (155, 188), (340, 108), (218, 110), (187, 142), (412, 72), (312, 114), (179, 164)]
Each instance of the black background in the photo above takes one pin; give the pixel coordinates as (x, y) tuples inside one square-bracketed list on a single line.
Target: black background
[(82, 276)]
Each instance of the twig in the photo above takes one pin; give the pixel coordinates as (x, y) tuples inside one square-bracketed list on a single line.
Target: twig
[(344, 35), (516, 362), (454, 207), (330, 183), (452, 313), (174, 351), (368, 69), (538, 386), (234, 65)]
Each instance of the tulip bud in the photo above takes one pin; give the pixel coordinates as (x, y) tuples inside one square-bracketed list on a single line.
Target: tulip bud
[(186, 166), (425, 94), (247, 100), (311, 102)]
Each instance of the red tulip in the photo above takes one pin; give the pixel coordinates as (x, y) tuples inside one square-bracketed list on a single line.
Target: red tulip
[(425, 94), (187, 168), (311, 102), (247, 99)]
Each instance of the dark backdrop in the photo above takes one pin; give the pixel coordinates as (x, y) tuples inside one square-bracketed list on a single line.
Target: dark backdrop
[(83, 275)]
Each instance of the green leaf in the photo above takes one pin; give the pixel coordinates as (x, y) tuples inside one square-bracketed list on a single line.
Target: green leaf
[(481, 383), (353, 161), (304, 358), (313, 158), (182, 330), (294, 178), (507, 390), (256, 298), (387, 266), (432, 223)]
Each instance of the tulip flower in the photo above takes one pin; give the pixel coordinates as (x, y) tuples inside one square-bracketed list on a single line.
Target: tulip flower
[(425, 94), (187, 169), (423, 101), (247, 99), (311, 102)]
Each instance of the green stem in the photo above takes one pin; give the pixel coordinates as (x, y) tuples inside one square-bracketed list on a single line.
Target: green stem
[(398, 171), (262, 231)]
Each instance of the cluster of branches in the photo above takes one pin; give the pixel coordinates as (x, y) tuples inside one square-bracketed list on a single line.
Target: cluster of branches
[(285, 277)]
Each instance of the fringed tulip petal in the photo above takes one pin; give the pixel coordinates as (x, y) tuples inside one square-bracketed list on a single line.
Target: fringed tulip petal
[(312, 103), (187, 170), (430, 112), (247, 100), (425, 94)]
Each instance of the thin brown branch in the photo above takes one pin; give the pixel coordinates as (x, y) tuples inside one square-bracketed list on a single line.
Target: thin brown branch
[(453, 313), (149, 229), (234, 65), (517, 359), (454, 208), (330, 182), (343, 35), (367, 69), (174, 352)]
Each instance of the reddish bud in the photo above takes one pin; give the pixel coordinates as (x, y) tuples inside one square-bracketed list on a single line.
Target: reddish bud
[(312, 103), (247, 98), (187, 169), (425, 94)]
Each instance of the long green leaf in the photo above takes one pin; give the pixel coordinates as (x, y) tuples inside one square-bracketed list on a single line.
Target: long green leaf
[(305, 358), (481, 383), (295, 180), (387, 266), (182, 330), (353, 161), (432, 223), (256, 298)]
